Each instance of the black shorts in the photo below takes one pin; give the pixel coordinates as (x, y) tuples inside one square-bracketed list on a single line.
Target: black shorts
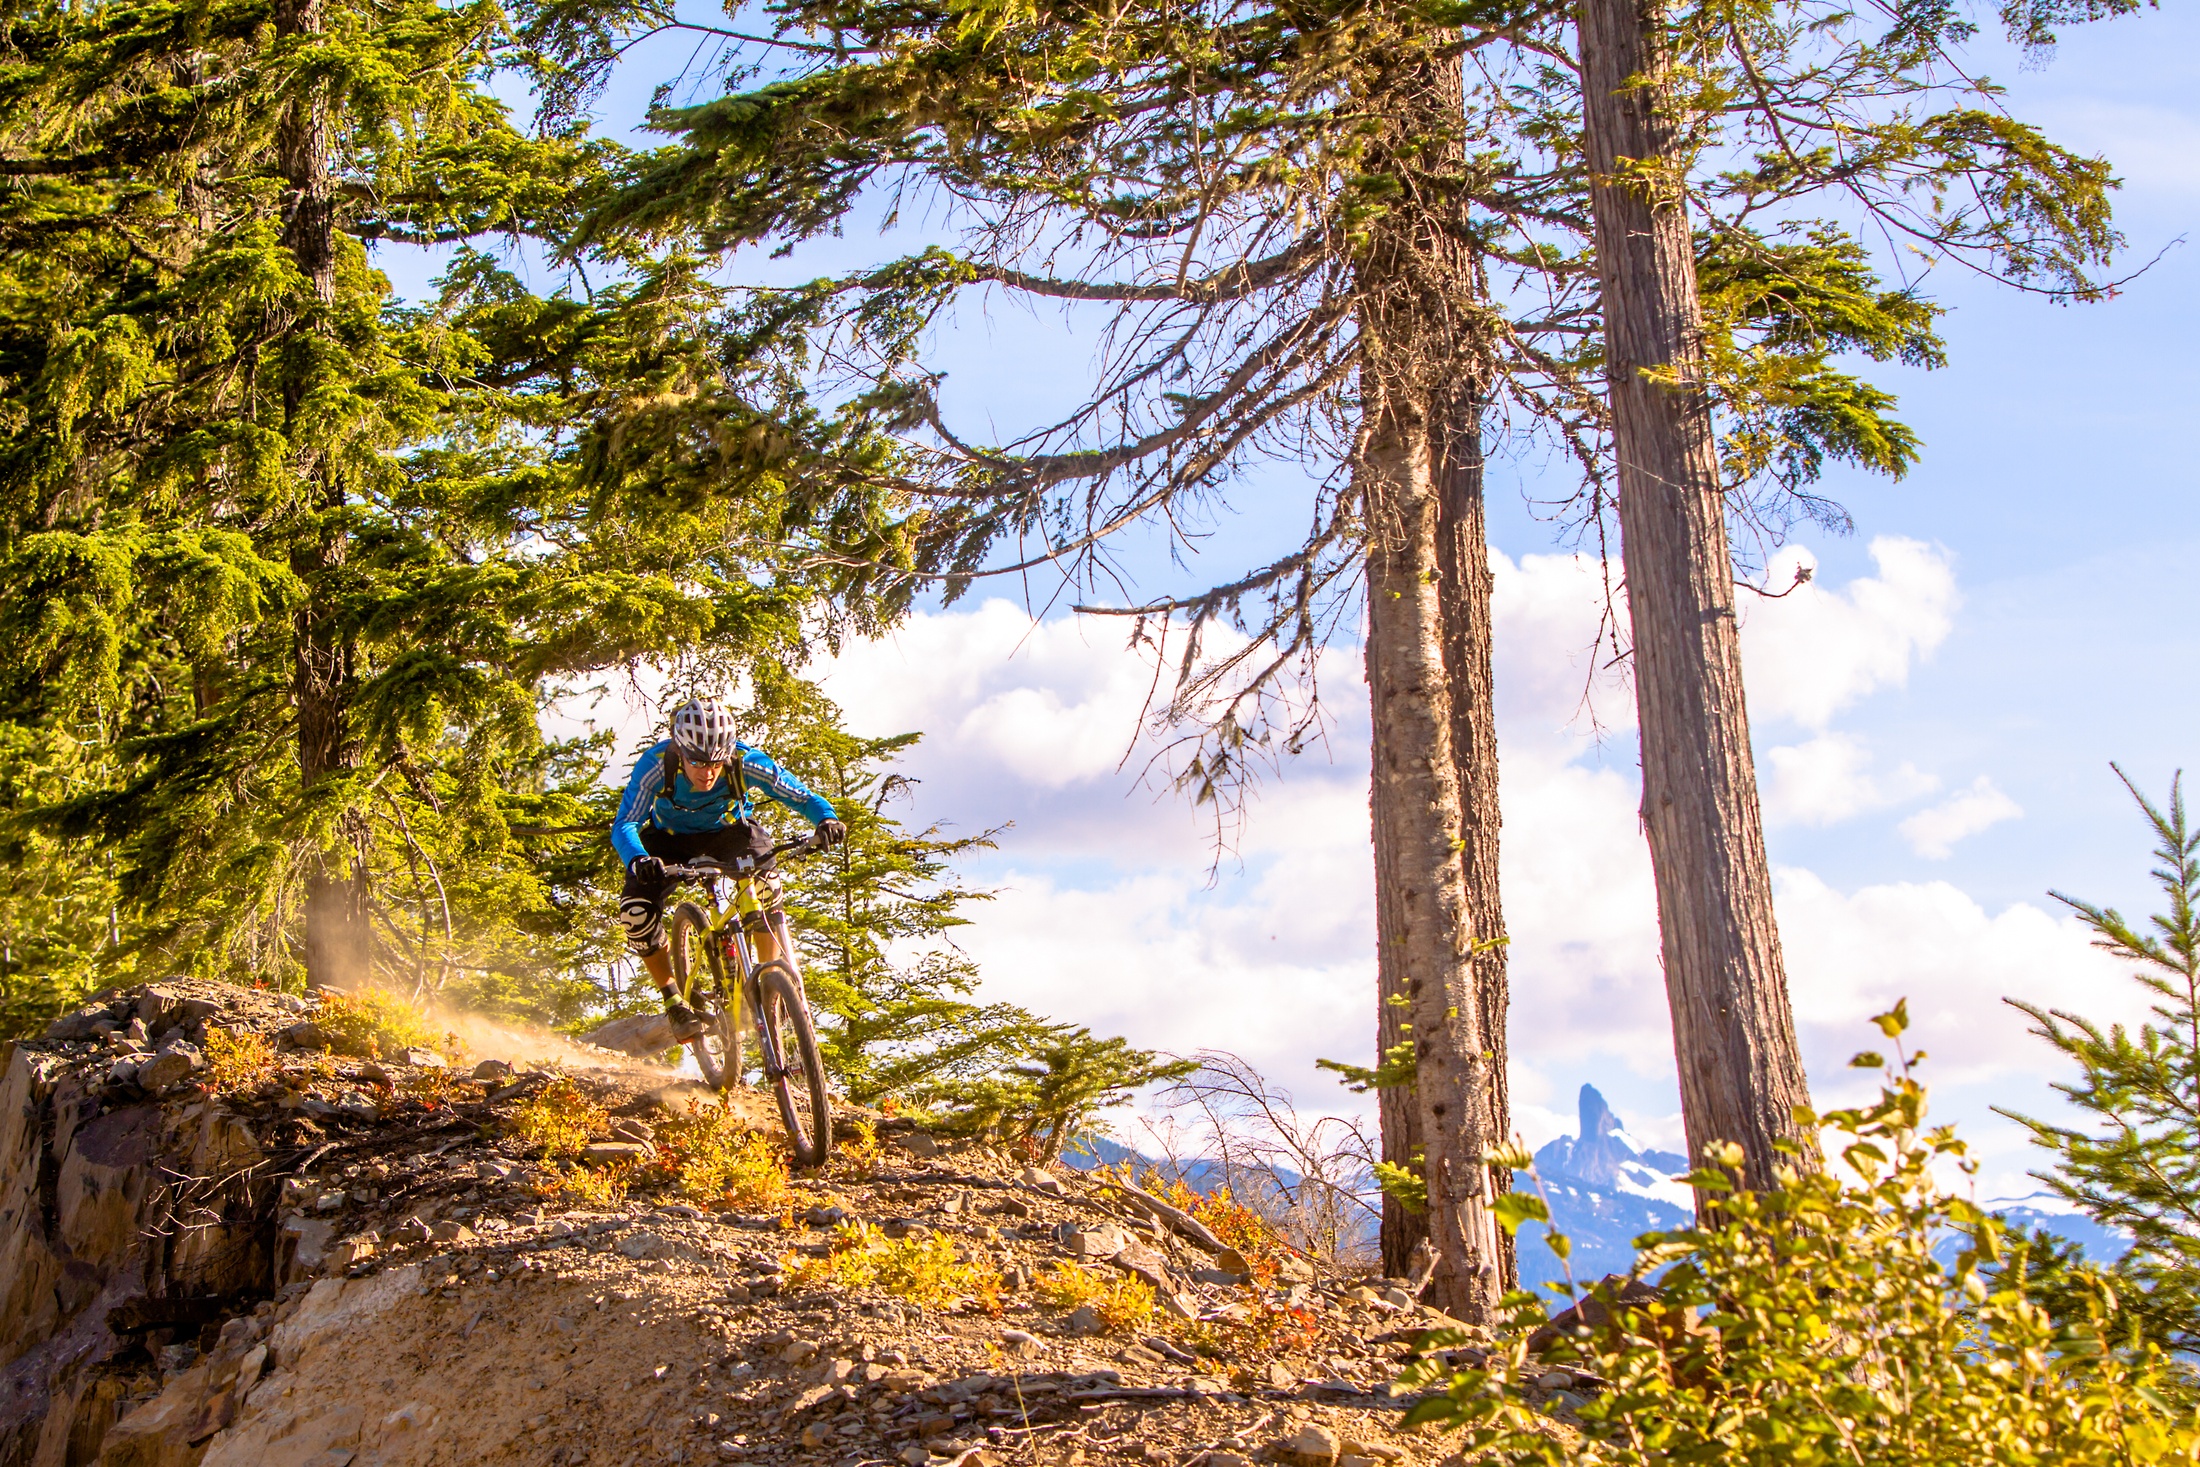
[(642, 902), (726, 845)]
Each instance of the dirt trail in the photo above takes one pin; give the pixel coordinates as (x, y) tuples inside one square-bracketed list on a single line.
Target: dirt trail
[(406, 1286)]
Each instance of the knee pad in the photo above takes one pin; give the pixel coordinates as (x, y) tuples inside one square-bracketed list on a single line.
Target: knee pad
[(645, 926)]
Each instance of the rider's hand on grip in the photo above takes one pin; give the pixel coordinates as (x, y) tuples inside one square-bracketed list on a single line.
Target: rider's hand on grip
[(648, 868), (830, 833)]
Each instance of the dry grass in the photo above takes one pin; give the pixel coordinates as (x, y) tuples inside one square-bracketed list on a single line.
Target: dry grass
[(237, 1061), (559, 1119), (716, 1161), (924, 1271), (1123, 1303)]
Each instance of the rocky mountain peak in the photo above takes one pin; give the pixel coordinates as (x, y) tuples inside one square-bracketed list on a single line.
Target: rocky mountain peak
[(1596, 1116)]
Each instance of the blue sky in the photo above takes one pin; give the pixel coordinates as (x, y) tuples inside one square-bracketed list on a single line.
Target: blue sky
[(1934, 715)]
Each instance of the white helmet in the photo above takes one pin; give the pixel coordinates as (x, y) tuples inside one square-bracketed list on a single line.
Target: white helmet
[(703, 731)]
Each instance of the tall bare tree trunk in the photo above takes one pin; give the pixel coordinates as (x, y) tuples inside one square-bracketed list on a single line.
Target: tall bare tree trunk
[(336, 933), (1415, 800), (1463, 560), (1463, 563), (1733, 1032), (1419, 325)]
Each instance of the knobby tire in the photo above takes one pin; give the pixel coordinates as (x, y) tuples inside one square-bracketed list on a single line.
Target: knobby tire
[(718, 1048), (791, 1040)]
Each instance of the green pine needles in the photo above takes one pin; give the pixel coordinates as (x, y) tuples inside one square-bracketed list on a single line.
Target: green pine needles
[(2133, 1162), (289, 566)]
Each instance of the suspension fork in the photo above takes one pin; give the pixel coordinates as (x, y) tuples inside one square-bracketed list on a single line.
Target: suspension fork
[(765, 938)]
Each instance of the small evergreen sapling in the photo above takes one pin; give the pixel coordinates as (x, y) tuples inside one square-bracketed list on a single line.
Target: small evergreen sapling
[(2134, 1163)]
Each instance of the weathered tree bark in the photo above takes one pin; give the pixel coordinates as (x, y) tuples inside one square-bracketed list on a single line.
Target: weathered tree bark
[(1733, 1032), (1463, 562), (1416, 803), (1419, 339), (1398, 1107), (1468, 589), (337, 936)]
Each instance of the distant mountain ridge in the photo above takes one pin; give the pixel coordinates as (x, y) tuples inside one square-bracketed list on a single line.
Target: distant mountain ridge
[(1606, 1189)]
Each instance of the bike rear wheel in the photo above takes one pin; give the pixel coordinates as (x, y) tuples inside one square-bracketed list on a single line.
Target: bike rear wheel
[(718, 1047), (792, 1063)]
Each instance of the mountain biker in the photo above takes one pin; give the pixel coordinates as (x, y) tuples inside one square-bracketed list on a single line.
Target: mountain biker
[(687, 797)]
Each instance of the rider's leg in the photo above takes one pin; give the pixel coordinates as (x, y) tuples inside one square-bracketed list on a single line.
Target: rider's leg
[(642, 913)]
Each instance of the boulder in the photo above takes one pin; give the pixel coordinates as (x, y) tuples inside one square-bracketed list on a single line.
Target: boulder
[(157, 1434), (1041, 1181), (79, 1026), (422, 1059), (172, 1066), (1094, 1242), (636, 1034), (164, 1006), (301, 1247), (305, 1034), (492, 1071), (614, 1153), (1312, 1445), (1137, 1259), (1594, 1312)]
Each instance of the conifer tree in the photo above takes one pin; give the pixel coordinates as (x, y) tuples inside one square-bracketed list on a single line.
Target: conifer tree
[(2134, 1162), (1866, 110), (301, 561)]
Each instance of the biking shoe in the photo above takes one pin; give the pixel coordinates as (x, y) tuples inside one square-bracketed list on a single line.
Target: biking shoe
[(685, 1021)]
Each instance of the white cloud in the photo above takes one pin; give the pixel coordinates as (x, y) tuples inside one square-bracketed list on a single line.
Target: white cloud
[(1105, 915), (1818, 649), (1850, 956), (1829, 779), (1933, 832)]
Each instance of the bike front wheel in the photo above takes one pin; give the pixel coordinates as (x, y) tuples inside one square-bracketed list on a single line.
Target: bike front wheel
[(718, 1047), (792, 1063)]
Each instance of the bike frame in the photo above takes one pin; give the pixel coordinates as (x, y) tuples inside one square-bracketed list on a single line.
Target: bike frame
[(728, 927)]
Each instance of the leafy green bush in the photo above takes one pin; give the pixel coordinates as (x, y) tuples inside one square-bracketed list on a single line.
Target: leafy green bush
[(924, 1270), (1124, 1303), (1812, 1324), (558, 1120)]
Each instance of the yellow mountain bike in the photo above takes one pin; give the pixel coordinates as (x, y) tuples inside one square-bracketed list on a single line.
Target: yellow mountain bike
[(769, 993)]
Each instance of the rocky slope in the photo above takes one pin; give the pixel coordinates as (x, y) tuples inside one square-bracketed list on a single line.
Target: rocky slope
[(351, 1264)]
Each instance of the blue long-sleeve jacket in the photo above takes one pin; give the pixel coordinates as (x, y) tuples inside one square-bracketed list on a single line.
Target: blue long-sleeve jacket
[(687, 810)]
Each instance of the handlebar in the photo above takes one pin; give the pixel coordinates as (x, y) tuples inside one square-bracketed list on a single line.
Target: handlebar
[(703, 868)]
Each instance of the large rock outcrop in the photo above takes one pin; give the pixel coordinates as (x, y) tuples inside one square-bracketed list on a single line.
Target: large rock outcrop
[(130, 1217), (343, 1263)]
